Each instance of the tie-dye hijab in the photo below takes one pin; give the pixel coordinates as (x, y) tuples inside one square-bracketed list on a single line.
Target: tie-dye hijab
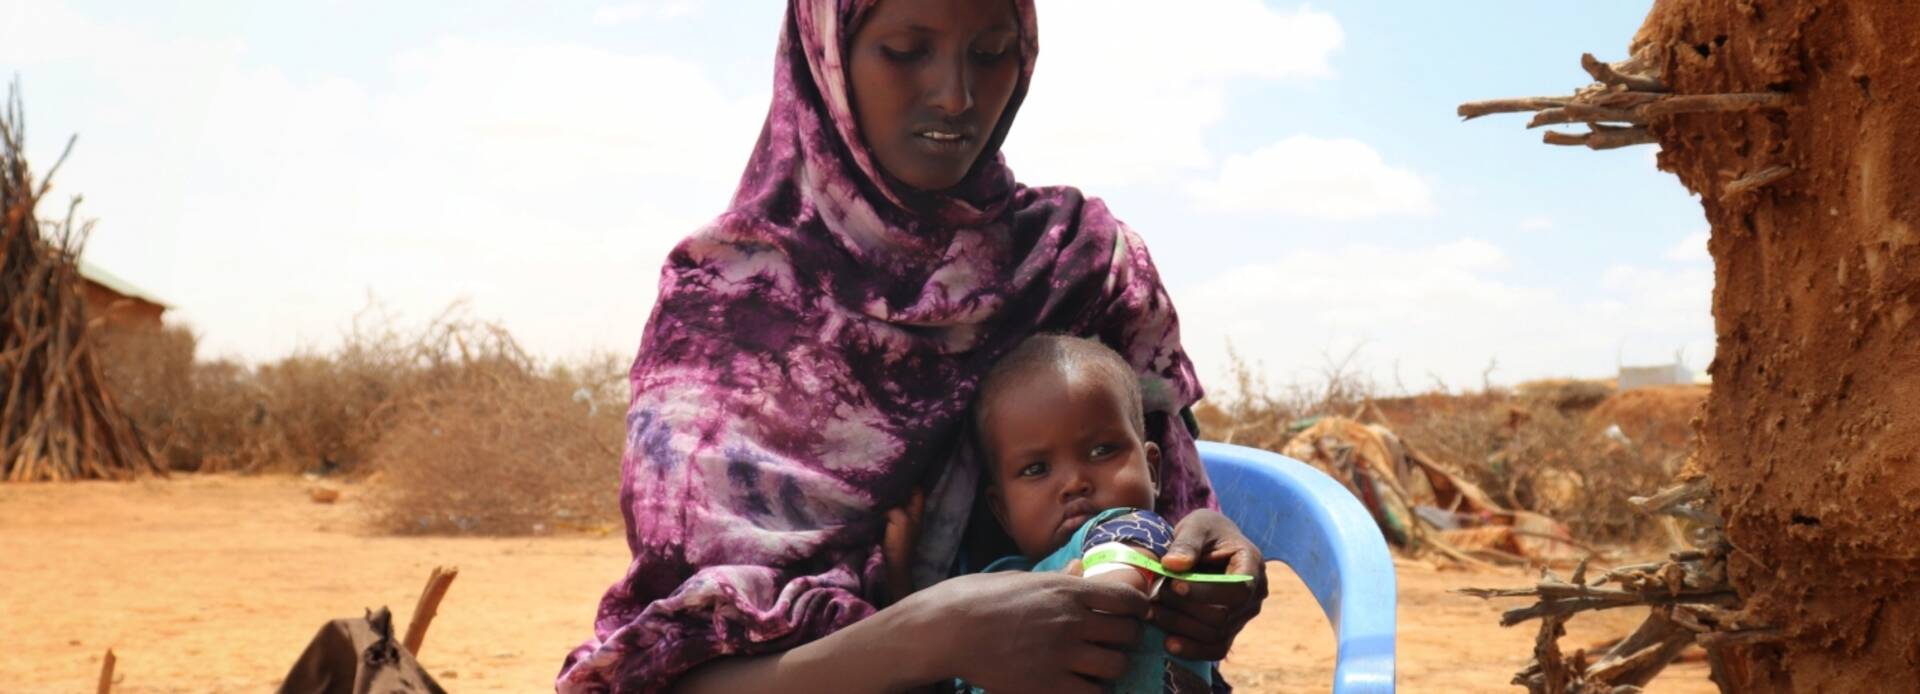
[(809, 361)]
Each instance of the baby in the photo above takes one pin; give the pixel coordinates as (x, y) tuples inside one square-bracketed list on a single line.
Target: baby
[(1070, 475)]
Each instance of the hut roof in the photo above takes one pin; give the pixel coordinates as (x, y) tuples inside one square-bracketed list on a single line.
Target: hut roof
[(97, 275)]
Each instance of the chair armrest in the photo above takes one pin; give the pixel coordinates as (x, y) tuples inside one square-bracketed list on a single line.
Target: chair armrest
[(1301, 517)]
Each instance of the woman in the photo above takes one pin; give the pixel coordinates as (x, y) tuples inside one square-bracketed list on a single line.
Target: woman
[(808, 363)]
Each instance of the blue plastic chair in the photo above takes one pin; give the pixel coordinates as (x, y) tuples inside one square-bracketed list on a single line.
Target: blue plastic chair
[(1300, 516)]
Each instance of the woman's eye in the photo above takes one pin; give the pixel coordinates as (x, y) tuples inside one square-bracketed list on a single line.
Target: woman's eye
[(901, 54), (990, 56), (1033, 470), (993, 48)]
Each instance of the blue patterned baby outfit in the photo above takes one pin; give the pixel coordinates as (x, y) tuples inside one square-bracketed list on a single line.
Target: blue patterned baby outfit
[(1150, 670)]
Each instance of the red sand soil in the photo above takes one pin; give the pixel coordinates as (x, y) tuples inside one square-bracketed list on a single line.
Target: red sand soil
[(1812, 431), (215, 583)]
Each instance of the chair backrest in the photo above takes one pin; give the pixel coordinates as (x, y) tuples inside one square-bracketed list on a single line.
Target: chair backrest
[(1307, 520)]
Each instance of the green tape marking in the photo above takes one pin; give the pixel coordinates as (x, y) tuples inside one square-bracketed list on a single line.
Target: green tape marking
[(1135, 558)]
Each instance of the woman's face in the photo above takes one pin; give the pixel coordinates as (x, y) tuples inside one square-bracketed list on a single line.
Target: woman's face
[(930, 79)]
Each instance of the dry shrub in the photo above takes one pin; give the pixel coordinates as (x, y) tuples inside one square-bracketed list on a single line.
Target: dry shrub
[(309, 411), (326, 412), (224, 423), (488, 443), (151, 375), (1252, 413), (465, 432), (194, 416)]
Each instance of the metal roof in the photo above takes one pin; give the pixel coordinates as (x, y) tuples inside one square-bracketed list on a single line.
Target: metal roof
[(111, 281)]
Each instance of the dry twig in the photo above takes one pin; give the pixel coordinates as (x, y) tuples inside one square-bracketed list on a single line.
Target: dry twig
[(106, 673), (1476, 109), (1602, 137), (1584, 113), (429, 605), (1757, 180), (1612, 76)]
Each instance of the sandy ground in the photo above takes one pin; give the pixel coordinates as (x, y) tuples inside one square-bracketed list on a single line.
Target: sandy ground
[(215, 584)]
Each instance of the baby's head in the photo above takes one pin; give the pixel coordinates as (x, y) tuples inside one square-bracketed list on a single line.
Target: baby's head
[(1062, 435)]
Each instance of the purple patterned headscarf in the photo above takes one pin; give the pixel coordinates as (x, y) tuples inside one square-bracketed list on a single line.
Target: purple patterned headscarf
[(809, 362)]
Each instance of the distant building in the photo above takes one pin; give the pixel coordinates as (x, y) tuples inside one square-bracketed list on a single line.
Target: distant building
[(117, 301), (1677, 373)]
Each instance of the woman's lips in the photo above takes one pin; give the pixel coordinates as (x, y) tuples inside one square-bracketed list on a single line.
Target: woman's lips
[(944, 143)]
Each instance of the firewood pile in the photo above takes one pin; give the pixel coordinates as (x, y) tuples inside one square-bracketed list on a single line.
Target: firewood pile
[(1690, 598), (58, 421)]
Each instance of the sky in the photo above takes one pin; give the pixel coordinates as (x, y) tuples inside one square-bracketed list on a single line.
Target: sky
[(271, 169)]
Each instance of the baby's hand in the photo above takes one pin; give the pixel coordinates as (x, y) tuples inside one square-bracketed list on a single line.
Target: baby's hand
[(896, 548)]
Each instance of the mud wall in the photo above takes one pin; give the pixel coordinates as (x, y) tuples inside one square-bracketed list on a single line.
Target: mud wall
[(1812, 430)]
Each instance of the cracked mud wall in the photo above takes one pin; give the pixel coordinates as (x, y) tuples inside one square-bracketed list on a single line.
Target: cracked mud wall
[(1812, 430)]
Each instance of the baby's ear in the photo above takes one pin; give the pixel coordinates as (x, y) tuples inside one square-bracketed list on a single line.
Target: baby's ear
[(1153, 465)]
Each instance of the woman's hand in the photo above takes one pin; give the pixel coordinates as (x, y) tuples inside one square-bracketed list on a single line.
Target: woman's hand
[(1028, 632), (896, 547), (1008, 632), (1202, 619)]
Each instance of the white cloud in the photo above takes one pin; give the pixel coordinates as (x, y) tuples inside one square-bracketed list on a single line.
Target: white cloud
[(1441, 311), (505, 172), (624, 12), (1339, 179), (1537, 223), (543, 180), (1126, 91), (1692, 249)]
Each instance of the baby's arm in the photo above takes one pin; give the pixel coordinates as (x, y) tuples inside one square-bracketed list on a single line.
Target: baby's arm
[(1140, 579), (1141, 530)]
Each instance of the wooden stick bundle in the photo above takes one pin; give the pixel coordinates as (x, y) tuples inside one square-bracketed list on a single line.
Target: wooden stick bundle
[(1691, 599), (1616, 107), (59, 421)]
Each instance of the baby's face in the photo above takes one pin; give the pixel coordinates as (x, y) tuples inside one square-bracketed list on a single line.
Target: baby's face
[(1063, 448)]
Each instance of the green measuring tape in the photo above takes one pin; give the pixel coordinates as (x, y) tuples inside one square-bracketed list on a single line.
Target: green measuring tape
[(1134, 557)]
